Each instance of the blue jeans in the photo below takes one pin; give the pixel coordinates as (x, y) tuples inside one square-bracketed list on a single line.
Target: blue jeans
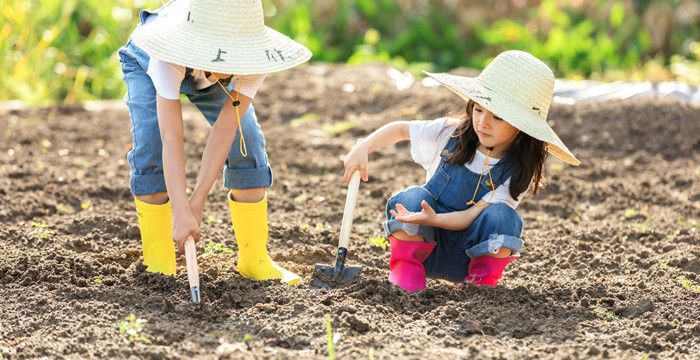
[(145, 157)]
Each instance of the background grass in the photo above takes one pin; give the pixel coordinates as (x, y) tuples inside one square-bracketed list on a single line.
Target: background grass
[(65, 51)]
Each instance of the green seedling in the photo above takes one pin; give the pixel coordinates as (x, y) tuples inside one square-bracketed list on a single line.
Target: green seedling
[(40, 231), (380, 242), (86, 204), (338, 127), (632, 213), (605, 314), (322, 226), (45, 145), (688, 284), (690, 223), (576, 219), (302, 120), (305, 226), (133, 326), (329, 334), (663, 263), (66, 209), (97, 280), (641, 227), (216, 248), (247, 337), (213, 219)]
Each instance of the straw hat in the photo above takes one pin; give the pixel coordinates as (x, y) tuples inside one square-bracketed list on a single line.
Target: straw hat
[(517, 87), (224, 36)]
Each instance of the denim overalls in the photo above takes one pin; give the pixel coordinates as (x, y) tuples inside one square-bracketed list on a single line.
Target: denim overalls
[(145, 157), (448, 190)]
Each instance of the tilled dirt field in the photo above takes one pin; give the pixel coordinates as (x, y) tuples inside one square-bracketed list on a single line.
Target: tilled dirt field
[(611, 266)]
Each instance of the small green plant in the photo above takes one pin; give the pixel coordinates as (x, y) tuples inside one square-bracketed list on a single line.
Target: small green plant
[(688, 284), (631, 213), (247, 337), (133, 326), (605, 314), (338, 127), (690, 223), (97, 280), (86, 204), (329, 334), (40, 231), (65, 209), (642, 227), (216, 248), (303, 120), (663, 263), (211, 219), (322, 226), (380, 242)]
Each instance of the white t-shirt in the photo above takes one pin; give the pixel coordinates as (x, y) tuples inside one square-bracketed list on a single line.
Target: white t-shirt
[(429, 138), (167, 78)]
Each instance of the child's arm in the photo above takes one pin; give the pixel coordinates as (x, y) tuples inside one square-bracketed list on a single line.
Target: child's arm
[(456, 220), (216, 151), (171, 134), (386, 135)]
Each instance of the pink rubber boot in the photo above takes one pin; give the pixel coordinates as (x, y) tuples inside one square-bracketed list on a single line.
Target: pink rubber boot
[(406, 263), (487, 270)]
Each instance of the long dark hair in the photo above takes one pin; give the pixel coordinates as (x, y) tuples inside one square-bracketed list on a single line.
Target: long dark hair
[(527, 153)]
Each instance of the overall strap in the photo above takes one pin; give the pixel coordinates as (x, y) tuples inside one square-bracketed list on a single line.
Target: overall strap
[(502, 170)]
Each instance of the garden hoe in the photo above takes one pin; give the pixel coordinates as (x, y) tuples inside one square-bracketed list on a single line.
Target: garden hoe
[(192, 268), (327, 276)]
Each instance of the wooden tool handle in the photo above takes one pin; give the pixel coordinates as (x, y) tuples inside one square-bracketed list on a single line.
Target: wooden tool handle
[(350, 201), (191, 260)]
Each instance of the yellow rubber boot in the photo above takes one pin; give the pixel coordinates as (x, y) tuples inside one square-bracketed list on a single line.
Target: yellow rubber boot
[(156, 225), (250, 225)]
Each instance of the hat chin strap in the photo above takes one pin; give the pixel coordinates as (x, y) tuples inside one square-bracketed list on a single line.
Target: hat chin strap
[(481, 174), (235, 102)]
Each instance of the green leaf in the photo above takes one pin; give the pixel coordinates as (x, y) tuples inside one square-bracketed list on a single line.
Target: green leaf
[(380, 242)]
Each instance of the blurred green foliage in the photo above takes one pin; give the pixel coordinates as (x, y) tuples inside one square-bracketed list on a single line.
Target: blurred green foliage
[(66, 50)]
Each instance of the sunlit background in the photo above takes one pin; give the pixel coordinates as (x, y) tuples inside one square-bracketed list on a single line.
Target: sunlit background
[(65, 50)]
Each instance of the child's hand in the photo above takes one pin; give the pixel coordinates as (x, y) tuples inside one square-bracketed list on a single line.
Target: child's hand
[(184, 225), (427, 215), (356, 159)]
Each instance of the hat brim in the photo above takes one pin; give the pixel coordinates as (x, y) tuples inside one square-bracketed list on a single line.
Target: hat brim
[(469, 88), (169, 39)]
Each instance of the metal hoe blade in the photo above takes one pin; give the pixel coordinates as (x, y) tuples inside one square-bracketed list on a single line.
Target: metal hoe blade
[(327, 276)]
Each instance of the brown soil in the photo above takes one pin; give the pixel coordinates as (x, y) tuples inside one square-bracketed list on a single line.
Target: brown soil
[(609, 244)]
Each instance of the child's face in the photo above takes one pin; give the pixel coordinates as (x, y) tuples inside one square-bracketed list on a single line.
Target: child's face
[(493, 131)]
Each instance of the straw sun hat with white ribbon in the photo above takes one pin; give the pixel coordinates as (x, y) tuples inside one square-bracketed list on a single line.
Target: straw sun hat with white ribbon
[(518, 88), (223, 36)]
